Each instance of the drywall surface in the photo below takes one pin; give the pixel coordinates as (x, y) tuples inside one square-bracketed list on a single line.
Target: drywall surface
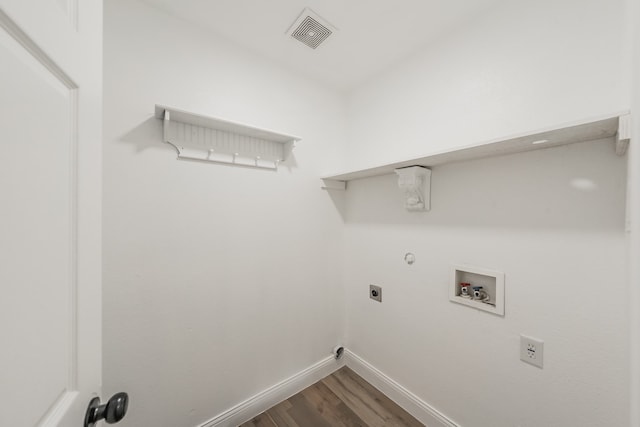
[(219, 281), (634, 216), (553, 222), (519, 68)]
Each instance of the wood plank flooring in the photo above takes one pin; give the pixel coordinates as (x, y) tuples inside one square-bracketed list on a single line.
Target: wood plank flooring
[(343, 399)]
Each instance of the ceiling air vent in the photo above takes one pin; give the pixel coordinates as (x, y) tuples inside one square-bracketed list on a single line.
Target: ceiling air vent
[(311, 29)]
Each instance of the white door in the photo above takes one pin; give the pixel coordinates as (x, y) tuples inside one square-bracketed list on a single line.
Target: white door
[(50, 192)]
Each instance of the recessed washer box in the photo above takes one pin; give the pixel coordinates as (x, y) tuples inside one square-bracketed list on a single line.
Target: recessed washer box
[(492, 283)]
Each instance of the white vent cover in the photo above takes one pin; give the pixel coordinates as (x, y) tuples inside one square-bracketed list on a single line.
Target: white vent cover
[(311, 29)]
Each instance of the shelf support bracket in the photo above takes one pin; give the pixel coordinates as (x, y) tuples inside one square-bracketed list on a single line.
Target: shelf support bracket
[(623, 137), (331, 184), (415, 183), (165, 125)]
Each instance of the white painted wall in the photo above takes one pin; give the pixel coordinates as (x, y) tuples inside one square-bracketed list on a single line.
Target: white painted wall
[(212, 274), (634, 216), (524, 66), (562, 250), (218, 281)]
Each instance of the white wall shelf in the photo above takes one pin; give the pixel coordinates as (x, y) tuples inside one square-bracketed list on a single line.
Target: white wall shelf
[(492, 283), (198, 137), (614, 125)]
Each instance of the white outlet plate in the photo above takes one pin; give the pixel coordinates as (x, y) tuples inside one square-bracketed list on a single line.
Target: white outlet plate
[(531, 351)]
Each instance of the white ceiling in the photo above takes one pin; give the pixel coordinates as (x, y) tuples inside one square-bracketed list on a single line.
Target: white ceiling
[(371, 36)]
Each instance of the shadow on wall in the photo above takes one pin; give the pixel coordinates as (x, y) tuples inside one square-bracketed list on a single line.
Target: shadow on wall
[(579, 186), (146, 135), (339, 199)]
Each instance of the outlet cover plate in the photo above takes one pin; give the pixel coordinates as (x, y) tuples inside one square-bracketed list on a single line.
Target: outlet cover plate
[(375, 293), (532, 351)]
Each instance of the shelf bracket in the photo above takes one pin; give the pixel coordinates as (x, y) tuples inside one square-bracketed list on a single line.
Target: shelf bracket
[(165, 125), (331, 184), (415, 183), (623, 136)]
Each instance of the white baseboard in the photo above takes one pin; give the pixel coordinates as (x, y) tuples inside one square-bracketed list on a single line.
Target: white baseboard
[(275, 394), (411, 403)]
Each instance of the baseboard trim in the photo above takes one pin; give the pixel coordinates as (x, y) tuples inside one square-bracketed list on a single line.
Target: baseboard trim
[(411, 403), (275, 394)]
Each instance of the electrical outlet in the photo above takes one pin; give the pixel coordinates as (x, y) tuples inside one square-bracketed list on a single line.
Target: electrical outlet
[(531, 351), (375, 293)]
